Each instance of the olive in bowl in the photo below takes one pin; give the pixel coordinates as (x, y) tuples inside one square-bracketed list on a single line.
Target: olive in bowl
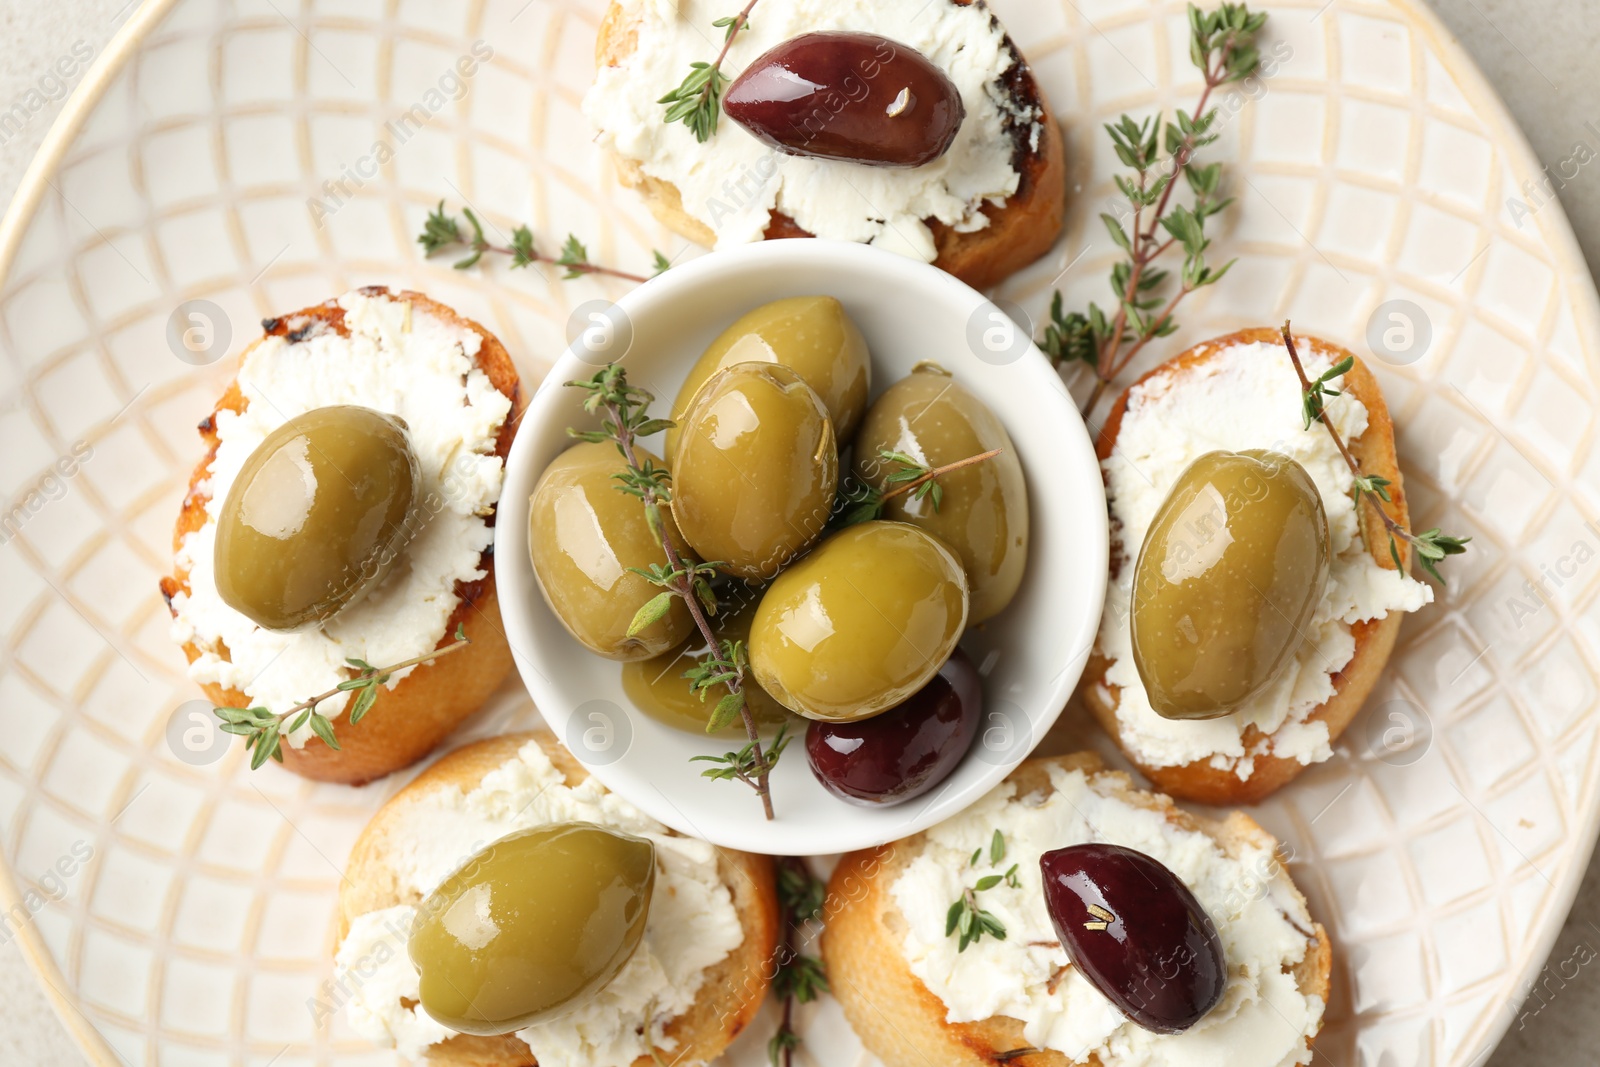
[(812, 336), (657, 686), (907, 750), (584, 538), (755, 471), (982, 509), (861, 623), (316, 517)]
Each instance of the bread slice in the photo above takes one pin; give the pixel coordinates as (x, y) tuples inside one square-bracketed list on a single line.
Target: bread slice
[(407, 722), (733, 989), (1374, 639), (1020, 230), (901, 1021)]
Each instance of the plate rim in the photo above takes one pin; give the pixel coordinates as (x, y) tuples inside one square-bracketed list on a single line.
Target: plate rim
[(1487, 102)]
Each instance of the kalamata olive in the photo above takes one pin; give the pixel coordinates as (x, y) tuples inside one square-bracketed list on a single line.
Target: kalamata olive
[(585, 537), (755, 472), (531, 924), (316, 517), (658, 688), (854, 96), (812, 336), (983, 509), (861, 623), (1136, 932), (909, 749), (1231, 572)]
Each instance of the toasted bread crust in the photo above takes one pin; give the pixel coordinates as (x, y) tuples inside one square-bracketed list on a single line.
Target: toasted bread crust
[(733, 989), (1021, 230), (407, 722), (1374, 639), (899, 1019)]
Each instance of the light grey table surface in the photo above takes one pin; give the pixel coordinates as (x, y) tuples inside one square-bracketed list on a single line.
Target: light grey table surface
[(1542, 55)]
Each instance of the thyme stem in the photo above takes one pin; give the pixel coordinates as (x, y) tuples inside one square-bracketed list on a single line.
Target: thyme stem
[(683, 587)]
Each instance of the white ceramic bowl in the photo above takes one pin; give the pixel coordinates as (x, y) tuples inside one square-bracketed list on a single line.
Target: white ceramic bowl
[(1031, 655)]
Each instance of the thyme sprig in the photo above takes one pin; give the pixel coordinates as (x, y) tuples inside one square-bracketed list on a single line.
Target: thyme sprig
[(442, 230), (1431, 546), (697, 101), (1222, 45), (965, 917), (263, 731), (799, 979), (863, 502), (623, 410)]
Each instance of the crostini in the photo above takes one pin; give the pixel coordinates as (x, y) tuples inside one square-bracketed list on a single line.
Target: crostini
[(918, 990), (694, 981), (1240, 392), (992, 202), (446, 390)]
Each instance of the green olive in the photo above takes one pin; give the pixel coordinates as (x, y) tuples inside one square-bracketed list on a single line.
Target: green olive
[(531, 924), (1231, 572), (811, 335), (861, 623), (658, 688), (983, 509), (584, 534), (756, 469), (317, 516)]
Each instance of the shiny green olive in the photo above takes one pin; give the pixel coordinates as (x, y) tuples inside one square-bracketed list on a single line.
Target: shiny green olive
[(531, 924), (983, 509), (1231, 572), (861, 623), (584, 534), (317, 516), (756, 469), (658, 688), (812, 336)]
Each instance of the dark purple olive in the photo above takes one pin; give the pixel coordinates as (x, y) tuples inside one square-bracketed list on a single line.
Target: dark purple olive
[(1136, 932), (854, 96), (907, 750)]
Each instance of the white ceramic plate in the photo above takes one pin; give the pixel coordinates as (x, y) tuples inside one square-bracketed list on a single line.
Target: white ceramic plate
[(180, 911), (1031, 655)]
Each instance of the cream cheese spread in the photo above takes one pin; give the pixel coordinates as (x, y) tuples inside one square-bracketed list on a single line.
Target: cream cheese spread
[(733, 183), (400, 360), (693, 924), (1263, 1018), (1243, 397)]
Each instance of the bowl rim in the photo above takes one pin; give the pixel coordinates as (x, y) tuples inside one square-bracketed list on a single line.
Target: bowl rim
[(521, 598)]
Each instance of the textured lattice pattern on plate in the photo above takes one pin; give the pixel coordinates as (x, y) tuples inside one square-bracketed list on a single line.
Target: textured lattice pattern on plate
[(1378, 168)]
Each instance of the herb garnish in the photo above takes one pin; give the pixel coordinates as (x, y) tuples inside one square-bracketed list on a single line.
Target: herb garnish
[(263, 731), (697, 102), (624, 411), (442, 230), (1222, 45), (965, 916), (865, 502), (1431, 546), (799, 978)]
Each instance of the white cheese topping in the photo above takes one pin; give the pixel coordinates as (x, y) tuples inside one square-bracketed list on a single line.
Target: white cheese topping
[(733, 182), (692, 926), (1263, 1018), (1244, 397), (402, 361)]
